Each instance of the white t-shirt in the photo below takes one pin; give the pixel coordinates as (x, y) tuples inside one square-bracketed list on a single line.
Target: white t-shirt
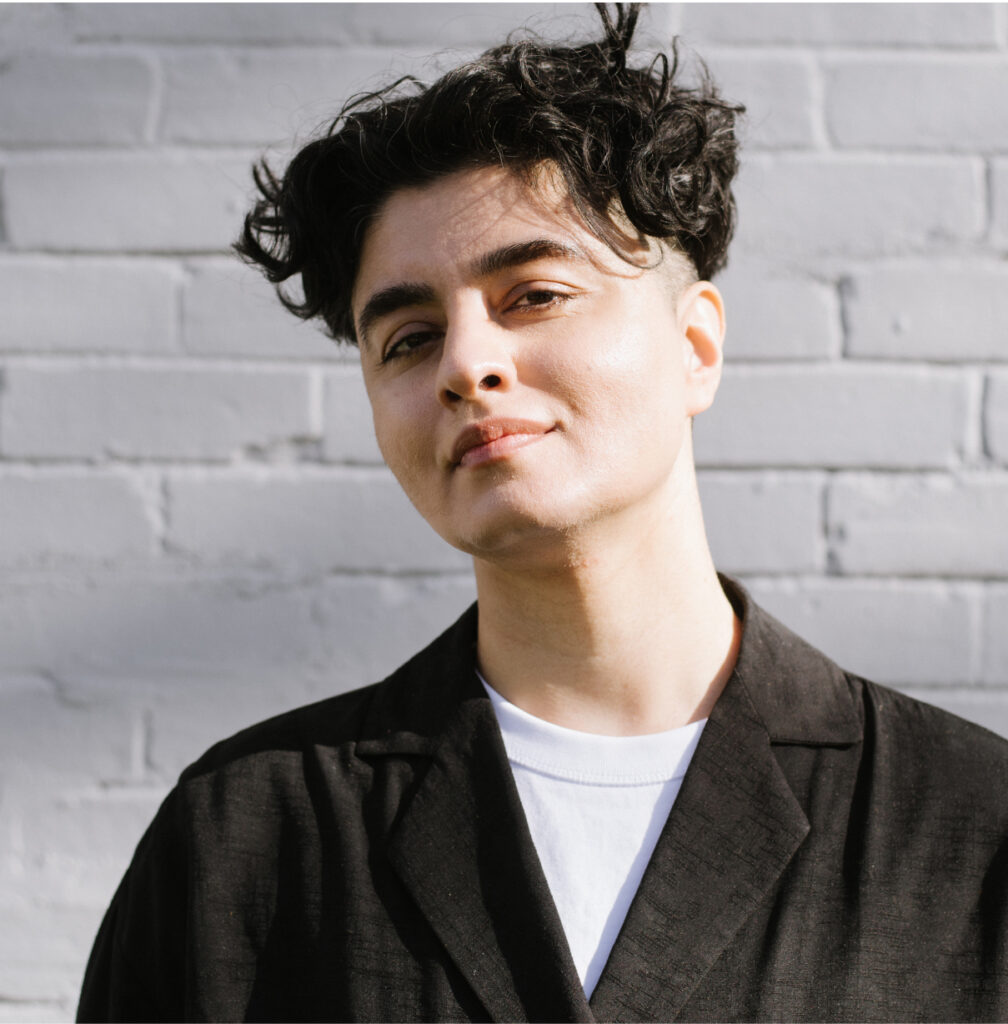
[(595, 807)]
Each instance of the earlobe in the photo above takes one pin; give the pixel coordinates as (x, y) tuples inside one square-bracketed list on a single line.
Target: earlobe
[(702, 323)]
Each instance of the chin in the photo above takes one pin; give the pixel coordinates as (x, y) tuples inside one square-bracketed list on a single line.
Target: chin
[(532, 534)]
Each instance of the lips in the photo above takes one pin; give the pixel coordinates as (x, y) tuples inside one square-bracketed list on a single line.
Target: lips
[(495, 439)]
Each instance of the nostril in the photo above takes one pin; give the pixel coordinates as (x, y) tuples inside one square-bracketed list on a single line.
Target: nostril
[(491, 380)]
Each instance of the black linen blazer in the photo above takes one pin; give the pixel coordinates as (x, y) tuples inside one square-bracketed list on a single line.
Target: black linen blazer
[(837, 852)]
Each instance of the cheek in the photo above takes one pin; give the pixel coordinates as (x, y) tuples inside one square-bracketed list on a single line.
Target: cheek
[(624, 377), (404, 441)]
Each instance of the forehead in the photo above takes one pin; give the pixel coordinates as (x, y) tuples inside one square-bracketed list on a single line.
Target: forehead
[(445, 226)]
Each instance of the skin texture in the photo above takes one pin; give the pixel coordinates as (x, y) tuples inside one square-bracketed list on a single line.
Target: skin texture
[(533, 394)]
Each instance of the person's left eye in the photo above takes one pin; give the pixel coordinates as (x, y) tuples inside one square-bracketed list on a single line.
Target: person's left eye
[(539, 297)]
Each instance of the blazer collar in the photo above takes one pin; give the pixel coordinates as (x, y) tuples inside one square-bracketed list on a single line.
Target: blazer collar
[(796, 692), (463, 849), (799, 695)]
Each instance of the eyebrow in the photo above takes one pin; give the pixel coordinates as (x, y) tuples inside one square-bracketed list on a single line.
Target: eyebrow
[(515, 255), (398, 296), (388, 300)]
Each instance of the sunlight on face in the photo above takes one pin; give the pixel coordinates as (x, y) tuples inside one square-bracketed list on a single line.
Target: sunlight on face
[(525, 381)]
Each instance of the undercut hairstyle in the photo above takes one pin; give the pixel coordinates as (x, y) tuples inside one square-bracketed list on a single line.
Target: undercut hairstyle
[(629, 141)]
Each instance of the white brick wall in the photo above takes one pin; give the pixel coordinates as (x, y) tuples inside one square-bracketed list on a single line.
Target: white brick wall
[(230, 310), (132, 202), (149, 413), (92, 517), (195, 530), (832, 207), (258, 97), (999, 200), (996, 418), (952, 26), (105, 305), (77, 99), (935, 103), (836, 416), (357, 521), (938, 312)]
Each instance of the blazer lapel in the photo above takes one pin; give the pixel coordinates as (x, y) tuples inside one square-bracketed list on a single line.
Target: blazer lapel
[(736, 823), (733, 829), (463, 849)]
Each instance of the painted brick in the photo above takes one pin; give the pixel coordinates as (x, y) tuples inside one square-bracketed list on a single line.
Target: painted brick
[(34, 25), (50, 305), (4, 239), (763, 523), (832, 24), (64, 99), (276, 23), (269, 23), (994, 645), (981, 706), (777, 317), (777, 93), (374, 625), (928, 311), (42, 1012), (229, 309), (944, 103), (54, 520), (119, 639), (190, 715), (835, 416), (349, 431), (919, 525), (999, 199), (260, 97), (905, 633), (80, 844), (360, 521), (797, 209), (82, 742), (370, 626), (146, 413), (481, 24), (996, 417), (136, 202), (43, 950)]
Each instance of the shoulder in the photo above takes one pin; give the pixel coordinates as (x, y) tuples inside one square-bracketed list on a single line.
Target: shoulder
[(803, 696), (918, 768), (333, 723), (902, 719), (406, 711), (928, 754)]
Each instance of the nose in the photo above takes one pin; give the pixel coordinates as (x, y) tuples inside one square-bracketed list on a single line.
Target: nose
[(475, 359)]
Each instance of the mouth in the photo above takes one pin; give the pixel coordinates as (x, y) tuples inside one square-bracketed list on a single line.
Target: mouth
[(493, 440)]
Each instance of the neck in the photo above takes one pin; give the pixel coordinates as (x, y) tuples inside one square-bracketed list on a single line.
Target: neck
[(629, 632)]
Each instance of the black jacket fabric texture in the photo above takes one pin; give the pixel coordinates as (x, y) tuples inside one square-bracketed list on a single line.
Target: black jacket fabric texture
[(837, 851)]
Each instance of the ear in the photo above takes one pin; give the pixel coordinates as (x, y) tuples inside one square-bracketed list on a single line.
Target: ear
[(701, 317)]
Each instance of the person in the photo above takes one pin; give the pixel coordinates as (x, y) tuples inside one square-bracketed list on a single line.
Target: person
[(615, 789)]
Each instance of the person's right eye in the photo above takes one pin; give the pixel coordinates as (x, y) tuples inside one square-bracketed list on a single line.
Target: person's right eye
[(405, 344)]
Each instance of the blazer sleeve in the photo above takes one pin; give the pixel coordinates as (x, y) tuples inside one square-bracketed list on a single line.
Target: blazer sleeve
[(136, 971)]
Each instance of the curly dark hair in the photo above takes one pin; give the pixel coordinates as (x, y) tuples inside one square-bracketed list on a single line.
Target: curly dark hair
[(665, 152)]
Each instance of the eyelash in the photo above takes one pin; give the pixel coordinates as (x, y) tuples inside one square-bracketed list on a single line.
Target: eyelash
[(399, 350)]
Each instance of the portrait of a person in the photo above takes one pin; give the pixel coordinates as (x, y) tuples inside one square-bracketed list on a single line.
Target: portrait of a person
[(616, 788)]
